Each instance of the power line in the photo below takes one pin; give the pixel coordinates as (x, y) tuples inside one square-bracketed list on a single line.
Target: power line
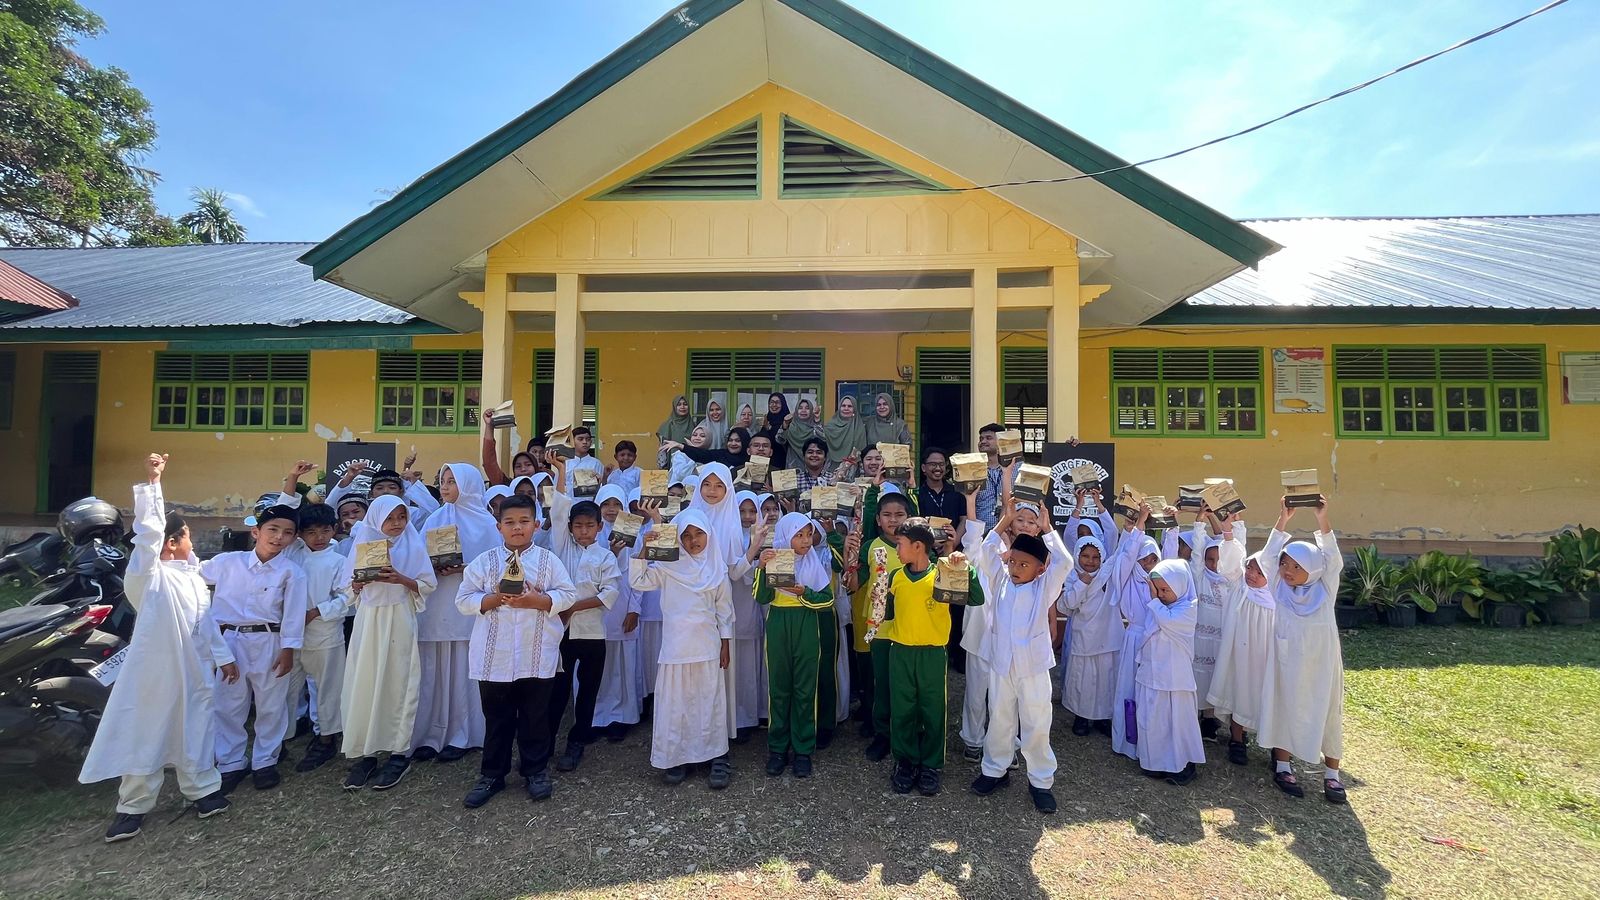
[(1276, 119)]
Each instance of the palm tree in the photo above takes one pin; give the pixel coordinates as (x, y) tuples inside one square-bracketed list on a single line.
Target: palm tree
[(211, 220)]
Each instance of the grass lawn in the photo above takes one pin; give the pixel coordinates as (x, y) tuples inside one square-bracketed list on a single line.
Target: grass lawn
[(1486, 739)]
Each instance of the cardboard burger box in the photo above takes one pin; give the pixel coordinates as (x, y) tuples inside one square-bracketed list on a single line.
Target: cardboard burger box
[(1300, 488), (780, 569), (952, 580), (1033, 483), (512, 580), (1008, 444), (1222, 499), (756, 470), (627, 527), (371, 558), (969, 471), (672, 507), (653, 484), (662, 544), (1189, 496), (786, 484), (820, 500), (1085, 477), (943, 529), (896, 462), (1128, 501), (547, 497), (1159, 517), (502, 416), (585, 483), (847, 500), (559, 439), (444, 546)]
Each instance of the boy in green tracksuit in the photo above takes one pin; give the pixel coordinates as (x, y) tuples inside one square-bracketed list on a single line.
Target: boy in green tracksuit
[(881, 518), (917, 658), (796, 636)]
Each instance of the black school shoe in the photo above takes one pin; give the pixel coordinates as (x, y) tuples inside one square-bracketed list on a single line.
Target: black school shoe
[(361, 773), (616, 732), (905, 775), (211, 804), (928, 782), (450, 754), (972, 754), (878, 749), (776, 763), (721, 774), (802, 766), (424, 754), (570, 757), (1187, 774), (392, 771), (984, 785), (319, 753), (1103, 726), (1043, 800), (231, 780), (481, 792), (675, 775), (1080, 726), (124, 827), (265, 779), (540, 787), (1238, 754)]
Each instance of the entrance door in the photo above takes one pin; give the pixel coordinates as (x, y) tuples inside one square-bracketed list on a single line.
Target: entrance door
[(66, 428), (944, 409)]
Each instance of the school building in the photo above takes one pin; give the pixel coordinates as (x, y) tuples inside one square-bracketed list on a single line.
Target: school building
[(784, 195)]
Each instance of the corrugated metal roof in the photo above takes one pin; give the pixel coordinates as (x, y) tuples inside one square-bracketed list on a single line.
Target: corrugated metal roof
[(17, 286), (1488, 262), (191, 285)]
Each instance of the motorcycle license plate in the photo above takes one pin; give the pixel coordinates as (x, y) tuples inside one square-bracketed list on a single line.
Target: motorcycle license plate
[(106, 672)]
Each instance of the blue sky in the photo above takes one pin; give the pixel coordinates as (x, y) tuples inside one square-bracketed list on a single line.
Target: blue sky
[(306, 111)]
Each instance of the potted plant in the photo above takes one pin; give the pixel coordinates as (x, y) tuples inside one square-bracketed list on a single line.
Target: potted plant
[(1438, 582), (1572, 562), (1368, 590), (1511, 597)]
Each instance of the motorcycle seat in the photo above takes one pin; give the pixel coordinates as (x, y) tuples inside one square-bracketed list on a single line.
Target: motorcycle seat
[(22, 619)]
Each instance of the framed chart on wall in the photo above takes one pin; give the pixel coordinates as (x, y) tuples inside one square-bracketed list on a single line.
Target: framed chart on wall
[(1580, 377)]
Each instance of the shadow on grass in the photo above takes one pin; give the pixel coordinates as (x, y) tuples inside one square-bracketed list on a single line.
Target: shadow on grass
[(1471, 644)]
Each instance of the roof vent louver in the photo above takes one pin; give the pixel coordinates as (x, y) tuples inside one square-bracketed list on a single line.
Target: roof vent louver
[(815, 164), (727, 166)]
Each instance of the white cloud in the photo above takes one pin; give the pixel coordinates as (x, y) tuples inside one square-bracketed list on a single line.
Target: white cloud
[(245, 204)]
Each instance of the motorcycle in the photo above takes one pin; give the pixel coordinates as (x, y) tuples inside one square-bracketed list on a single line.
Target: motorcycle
[(44, 718), (32, 558)]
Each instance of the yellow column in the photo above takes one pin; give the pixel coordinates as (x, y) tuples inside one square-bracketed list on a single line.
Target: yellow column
[(985, 348), (498, 333), (1061, 333), (567, 390)]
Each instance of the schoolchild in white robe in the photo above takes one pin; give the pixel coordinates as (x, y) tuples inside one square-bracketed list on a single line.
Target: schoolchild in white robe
[(1247, 635), (515, 649), (1131, 566), (1091, 679), (449, 711), (1217, 569), (649, 616), (575, 530), (160, 711), (713, 496), (382, 670), (321, 659), (1302, 699), (617, 707), (260, 606), (1017, 646), (693, 721), (1168, 732)]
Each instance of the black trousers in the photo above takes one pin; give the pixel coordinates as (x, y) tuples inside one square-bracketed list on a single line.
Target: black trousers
[(588, 657), (958, 656), (516, 710)]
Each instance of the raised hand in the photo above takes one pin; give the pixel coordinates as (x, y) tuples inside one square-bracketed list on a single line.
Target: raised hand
[(154, 465)]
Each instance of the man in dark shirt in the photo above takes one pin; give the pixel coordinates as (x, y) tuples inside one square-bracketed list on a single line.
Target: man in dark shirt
[(937, 497)]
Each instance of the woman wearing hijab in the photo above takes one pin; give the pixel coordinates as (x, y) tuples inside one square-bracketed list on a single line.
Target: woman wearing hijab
[(714, 497), (746, 418), (734, 453), (715, 423), (1217, 569), (679, 424), (1302, 699), (673, 458), (845, 433), (693, 715), (1241, 670), (797, 428), (773, 422), (884, 427), (449, 712), (1135, 558), (382, 671), (1169, 733)]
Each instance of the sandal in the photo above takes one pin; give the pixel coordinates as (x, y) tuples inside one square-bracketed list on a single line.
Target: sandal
[(1333, 791), (1286, 782)]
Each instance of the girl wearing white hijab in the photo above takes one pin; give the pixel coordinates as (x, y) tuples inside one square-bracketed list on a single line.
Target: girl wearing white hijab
[(1217, 569), (382, 670), (1302, 699), (1091, 678), (1169, 733), (617, 707), (1136, 557), (1247, 633), (795, 657), (693, 717), (449, 711), (714, 497), (649, 604)]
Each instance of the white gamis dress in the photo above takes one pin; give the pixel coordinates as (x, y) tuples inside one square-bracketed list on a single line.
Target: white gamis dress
[(449, 710), (1302, 699), (1133, 601), (1169, 732), (1247, 637), (1091, 679), (1215, 593)]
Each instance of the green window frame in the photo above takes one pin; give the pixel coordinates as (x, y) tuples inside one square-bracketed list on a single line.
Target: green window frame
[(1449, 392), (8, 389), (1187, 392), (544, 382), (231, 392), (429, 391), (1025, 395), (753, 375)]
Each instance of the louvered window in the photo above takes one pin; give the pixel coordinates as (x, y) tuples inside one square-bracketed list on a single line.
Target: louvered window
[(1186, 391), (430, 390), (727, 166), (734, 379), (1441, 391), (544, 387), (944, 364), (815, 164), (232, 391), (1025, 384), (8, 388)]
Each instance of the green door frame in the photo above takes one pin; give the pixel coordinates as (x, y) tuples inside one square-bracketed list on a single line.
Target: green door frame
[(41, 497)]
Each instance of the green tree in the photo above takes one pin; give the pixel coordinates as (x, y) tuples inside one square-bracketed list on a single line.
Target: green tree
[(71, 135), (211, 221)]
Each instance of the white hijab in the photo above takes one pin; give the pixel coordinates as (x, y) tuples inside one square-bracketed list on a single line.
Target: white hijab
[(1175, 572), (408, 554), (1309, 597), (726, 530), (609, 492), (700, 574), (812, 569), (1213, 578), (469, 514), (1260, 596), (1077, 550)]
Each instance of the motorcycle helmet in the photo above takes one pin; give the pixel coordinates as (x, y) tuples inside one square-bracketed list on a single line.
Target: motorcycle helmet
[(263, 503), (84, 520)]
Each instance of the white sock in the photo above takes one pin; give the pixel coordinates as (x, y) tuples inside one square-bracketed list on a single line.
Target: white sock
[(1281, 765), (1331, 774)]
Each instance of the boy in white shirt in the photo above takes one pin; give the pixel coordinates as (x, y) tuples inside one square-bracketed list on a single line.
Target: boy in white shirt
[(321, 658), (516, 646), (582, 442), (260, 606), (625, 474)]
